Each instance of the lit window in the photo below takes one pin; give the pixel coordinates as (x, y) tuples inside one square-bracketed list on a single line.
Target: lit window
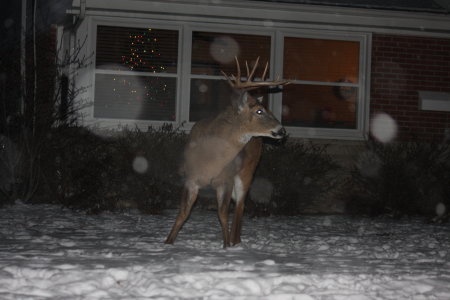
[(325, 75)]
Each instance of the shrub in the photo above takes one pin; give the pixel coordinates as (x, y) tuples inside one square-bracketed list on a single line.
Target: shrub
[(137, 169), (9, 165), (405, 178), (132, 169), (296, 173)]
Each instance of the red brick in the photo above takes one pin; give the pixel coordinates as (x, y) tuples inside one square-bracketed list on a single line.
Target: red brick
[(401, 66)]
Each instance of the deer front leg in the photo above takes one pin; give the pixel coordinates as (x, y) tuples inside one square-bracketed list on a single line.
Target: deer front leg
[(242, 182), (188, 197), (223, 202)]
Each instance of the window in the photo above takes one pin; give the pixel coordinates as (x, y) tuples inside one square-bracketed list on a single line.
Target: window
[(325, 76), (214, 52), (146, 76), (136, 73)]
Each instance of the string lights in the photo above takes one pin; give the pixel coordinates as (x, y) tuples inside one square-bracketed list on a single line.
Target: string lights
[(143, 48), (141, 89)]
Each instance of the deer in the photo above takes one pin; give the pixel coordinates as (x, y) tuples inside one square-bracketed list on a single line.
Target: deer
[(223, 151)]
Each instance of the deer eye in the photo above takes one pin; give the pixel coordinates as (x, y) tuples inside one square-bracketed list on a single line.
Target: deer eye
[(259, 112)]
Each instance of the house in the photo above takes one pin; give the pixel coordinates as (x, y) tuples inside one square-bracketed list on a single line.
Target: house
[(358, 68)]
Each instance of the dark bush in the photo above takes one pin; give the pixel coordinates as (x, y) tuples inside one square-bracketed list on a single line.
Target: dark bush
[(130, 169), (136, 169), (291, 177), (405, 178)]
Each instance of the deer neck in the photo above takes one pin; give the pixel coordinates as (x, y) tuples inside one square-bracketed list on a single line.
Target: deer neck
[(232, 130), (214, 144)]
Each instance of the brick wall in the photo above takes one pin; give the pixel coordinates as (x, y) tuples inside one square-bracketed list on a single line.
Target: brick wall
[(401, 66)]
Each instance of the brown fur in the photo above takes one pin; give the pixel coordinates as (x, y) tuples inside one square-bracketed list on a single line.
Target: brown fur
[(223, 152), (218, 150)]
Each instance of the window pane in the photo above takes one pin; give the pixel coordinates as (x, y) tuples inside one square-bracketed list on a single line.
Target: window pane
[(209, 97), (319, 106), (213, 52), (137, 49), (321, 60), (134, 97)]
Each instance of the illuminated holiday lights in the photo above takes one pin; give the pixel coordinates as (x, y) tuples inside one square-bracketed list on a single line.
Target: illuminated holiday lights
[(141, 89), (142, 44)]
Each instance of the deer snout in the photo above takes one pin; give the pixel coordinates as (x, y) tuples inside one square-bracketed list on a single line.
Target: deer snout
[(279, 133)]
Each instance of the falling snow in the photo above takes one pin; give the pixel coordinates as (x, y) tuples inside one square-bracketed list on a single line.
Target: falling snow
[(224, 49), (140, 164), (440, 209), (52, 253), (383, 128)]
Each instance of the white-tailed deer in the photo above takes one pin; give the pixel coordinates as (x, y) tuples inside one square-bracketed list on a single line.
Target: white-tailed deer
[(223, 152)]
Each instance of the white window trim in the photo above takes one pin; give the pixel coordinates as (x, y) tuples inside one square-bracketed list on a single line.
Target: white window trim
[(187, 76), (363, 102), (183, 75), (113, 123)]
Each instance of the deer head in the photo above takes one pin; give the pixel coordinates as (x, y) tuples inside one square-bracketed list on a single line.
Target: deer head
[(254, 113), (241, 88)]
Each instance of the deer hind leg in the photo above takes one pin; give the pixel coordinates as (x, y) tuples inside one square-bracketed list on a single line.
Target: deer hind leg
[(223, 202), (239, 193), (189, 195)]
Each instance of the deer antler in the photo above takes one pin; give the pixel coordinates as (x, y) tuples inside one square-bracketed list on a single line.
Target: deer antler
[(236, 83)]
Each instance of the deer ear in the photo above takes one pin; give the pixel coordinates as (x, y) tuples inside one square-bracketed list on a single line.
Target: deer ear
[(238, 101), (249, 100), (244, 101)]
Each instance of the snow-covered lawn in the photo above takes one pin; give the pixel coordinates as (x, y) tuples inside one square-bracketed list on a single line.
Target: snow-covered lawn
[(47, 252)]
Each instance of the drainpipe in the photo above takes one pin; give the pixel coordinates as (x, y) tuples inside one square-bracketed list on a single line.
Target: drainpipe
[(23, 31), (81, 16), (73, 28), (78, 21), (76, 24)]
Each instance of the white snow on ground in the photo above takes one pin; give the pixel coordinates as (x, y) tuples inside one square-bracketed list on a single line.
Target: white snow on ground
[(47, 252)]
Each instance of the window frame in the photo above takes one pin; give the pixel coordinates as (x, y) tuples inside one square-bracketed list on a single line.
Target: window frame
[(187, 76), (125, 22), (184, 76), (363, 97)]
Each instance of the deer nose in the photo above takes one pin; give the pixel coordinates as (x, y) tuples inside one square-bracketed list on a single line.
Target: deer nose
[(280, 133)]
